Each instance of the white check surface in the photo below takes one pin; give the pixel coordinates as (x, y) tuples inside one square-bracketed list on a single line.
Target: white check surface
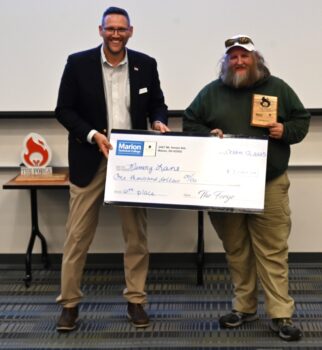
[(180, 171)]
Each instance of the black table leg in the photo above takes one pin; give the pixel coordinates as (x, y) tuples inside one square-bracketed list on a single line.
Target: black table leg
[(35, 233), (201, 248)]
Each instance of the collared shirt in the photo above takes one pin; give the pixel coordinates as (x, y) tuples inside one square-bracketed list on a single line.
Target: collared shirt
[(117, 94)]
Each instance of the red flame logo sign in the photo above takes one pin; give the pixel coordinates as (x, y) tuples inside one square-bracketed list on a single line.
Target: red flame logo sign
[(36, 152)]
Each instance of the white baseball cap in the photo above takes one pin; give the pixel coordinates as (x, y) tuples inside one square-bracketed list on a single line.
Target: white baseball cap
[(240, 40)]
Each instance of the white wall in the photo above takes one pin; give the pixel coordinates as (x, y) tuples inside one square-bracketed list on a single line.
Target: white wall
[(169, 230), (186, 37)]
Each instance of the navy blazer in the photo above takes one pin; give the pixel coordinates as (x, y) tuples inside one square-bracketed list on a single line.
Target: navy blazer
[(82, 107)]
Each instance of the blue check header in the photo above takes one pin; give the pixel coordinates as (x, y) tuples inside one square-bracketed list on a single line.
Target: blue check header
[(130, 148)]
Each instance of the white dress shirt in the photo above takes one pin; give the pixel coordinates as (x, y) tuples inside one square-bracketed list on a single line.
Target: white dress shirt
[(117, 95)]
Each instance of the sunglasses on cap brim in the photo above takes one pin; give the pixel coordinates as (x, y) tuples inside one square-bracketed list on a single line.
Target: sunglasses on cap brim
[(243, 40)]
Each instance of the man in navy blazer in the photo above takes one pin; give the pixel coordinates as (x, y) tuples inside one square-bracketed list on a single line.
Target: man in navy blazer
[(103, 88)]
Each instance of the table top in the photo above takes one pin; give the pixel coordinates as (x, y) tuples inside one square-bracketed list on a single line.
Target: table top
[(58, 180)]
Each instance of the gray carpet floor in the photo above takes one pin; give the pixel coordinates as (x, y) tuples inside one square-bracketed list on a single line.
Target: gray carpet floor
[(184, 315)]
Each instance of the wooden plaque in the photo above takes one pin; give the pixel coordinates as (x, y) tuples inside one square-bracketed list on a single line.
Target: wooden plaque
[(264, 111)]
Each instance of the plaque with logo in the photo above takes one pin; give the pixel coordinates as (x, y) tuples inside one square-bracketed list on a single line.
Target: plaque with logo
[(35, 157), (264, 111)]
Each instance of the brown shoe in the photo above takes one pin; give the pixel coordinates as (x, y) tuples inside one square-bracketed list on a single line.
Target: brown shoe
[(68, 319), (137, 315)]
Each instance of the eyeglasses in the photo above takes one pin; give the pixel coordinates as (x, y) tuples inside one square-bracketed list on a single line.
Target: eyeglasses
[(240, 40), (112, 30)]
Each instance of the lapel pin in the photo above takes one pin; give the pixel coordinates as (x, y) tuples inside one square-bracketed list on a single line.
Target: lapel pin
[(136, 68)]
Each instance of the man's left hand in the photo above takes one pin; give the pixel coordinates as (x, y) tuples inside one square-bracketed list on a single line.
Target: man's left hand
[(276, 130), (158, 126)]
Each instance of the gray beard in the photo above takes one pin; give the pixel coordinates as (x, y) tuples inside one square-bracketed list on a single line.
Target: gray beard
[(251, 76)]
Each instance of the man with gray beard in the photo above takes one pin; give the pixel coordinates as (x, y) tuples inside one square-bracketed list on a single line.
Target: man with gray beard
[(255, 244), (243, 74)]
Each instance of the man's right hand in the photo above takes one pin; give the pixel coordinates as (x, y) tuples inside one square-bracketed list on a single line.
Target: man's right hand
[(103, 144), (217, 132)]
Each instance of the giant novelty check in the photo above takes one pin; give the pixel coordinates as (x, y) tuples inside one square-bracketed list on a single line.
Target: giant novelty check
[(177, 170)]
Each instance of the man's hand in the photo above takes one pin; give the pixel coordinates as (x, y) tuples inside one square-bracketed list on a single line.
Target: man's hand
[(158, 126), (276, 130), (217, 132), (103, 144)]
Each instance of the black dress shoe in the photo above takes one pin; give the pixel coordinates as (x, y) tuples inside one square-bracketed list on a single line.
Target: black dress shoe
[(68, 319), (137, 315)]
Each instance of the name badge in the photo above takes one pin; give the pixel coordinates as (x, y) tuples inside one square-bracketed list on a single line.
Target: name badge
[(264, 110)]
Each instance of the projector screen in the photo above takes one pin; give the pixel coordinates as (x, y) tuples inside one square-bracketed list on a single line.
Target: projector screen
[(186, 37)]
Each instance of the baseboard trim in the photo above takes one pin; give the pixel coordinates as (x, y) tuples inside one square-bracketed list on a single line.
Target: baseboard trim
[(156, 259)]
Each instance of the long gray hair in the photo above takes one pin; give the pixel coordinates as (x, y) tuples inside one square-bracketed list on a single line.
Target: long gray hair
[(257, 72)]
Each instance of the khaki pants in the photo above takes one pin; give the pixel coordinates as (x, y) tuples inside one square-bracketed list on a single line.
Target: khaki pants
[(85, 203), (256, 245)]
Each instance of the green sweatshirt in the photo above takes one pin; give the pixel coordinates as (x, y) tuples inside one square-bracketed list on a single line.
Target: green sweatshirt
[(220, 106)]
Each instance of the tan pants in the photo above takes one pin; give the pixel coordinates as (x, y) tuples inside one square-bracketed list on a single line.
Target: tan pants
[(256, 245), (85, 203)]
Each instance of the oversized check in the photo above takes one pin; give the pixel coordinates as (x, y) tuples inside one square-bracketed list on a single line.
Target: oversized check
[(176, 170)]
